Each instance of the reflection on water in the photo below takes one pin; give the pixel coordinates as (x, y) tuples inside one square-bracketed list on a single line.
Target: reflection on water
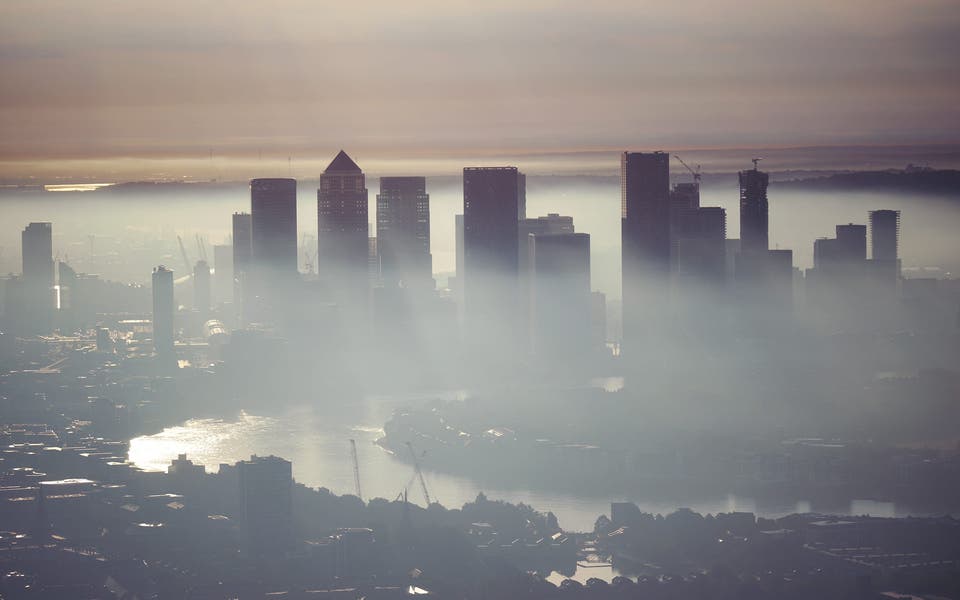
[(317, 442), (585, 571)]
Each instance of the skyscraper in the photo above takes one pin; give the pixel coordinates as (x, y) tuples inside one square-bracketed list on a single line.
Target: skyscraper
[(645, 241), (242, 258), (403, 233), (884, 234), (560, 294), (343, 230), (491, 208), (222, 273), (163, 308), (201, 286), (266, 505), (852, 242), (700, 248), (37, 249), (273, 218), (754, 211)]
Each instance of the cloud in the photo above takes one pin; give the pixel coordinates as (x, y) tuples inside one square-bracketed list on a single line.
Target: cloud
[(105, 77)]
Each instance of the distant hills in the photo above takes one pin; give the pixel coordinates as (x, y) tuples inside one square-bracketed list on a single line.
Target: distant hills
[(916, 180)]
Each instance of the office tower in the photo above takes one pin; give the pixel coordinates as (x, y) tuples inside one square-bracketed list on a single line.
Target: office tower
[(273, 218), (560, 294), (754, 212), (343, 231), (491, 205), (163, 308), (242, 260), (550, 224), (201, 286), (222, 273), (266, 506), (645, 241), (884, 234), (701, 255), (39, 296), (403, 233), (553, 223), (852, 242)]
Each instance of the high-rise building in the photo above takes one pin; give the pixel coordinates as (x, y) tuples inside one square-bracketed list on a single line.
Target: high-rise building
[(754, 211), (242, 260), (222, 273), (266, 505), (38, 277), (884, 234), (273, 217), (560, 294), (492, 205), (163, 308), (403, 233), (201, 286), (343, 231), (645, 241), (701, 255), (852, 242), (552, 223)]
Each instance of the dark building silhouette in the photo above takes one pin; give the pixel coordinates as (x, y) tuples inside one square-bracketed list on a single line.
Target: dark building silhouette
[(493, 202), (701, 253), (884, 246), (684, 203), (201, 286), (266, 509), (852, 242), (273, 216), (403, 233), (38, 278), (645, 240), (343, 244), (242, 259), (222, 273), (884, 234), (163, 308), (560, 294), (457, 284), (552, 223), (754, 211)]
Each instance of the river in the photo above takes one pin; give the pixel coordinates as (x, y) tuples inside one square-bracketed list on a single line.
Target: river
[(317, 442)]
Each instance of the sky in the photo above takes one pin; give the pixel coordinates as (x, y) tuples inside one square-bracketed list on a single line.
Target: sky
[(112, 87)]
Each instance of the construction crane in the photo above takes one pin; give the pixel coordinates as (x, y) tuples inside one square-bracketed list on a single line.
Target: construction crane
[(356, 468), (201, 248), (695, 173), (416, 469), (186, 261)]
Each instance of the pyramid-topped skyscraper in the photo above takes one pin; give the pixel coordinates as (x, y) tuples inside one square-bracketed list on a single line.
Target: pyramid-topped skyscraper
[(342, 227)]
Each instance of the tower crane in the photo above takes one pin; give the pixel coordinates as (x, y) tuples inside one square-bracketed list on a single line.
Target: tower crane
[(186, 261), (695, 173), (201, 248), (356, 468), (416, 468)]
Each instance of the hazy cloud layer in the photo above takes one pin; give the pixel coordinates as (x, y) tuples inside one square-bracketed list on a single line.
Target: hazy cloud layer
[(176, 78)]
